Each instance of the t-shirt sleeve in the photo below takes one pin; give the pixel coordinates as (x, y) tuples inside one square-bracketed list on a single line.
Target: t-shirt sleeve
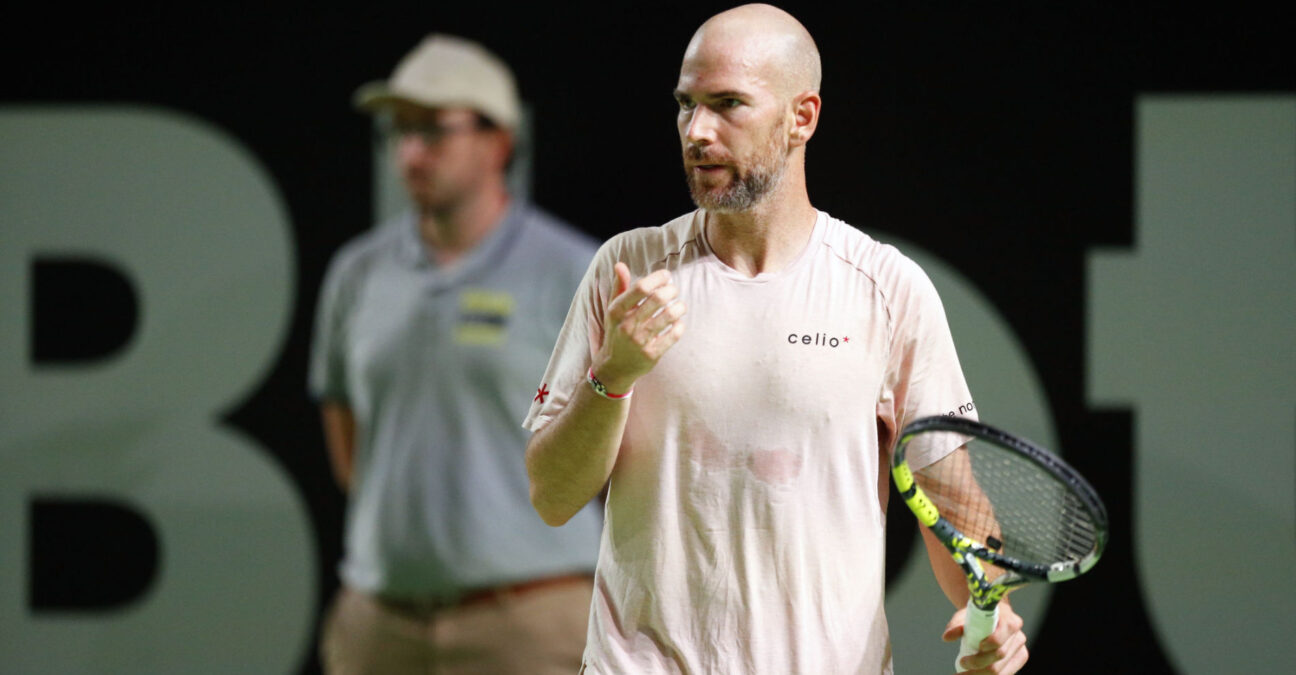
[(924, 377), (327, 378), (579, 338)]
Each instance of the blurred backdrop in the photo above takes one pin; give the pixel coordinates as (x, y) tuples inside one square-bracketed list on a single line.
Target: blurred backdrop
[(1106, 198)]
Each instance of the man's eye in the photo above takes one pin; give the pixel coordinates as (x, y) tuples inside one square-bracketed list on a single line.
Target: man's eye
[(686, 104), (730, 103)]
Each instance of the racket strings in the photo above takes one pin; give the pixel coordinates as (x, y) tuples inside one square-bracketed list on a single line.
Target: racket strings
[(1009, 504)]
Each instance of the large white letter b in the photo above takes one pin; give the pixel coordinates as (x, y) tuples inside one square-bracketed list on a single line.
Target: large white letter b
[(183, 224)]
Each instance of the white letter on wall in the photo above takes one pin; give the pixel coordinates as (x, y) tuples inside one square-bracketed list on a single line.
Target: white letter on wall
[(198, 229)]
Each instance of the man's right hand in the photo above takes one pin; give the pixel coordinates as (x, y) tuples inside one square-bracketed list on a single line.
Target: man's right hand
[(570, 459), (643, 322)]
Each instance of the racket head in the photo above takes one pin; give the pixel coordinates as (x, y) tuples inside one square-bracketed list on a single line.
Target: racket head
[(1009, 511)]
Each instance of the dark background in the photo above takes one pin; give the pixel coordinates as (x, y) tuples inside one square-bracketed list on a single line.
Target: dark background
[(998, 137)]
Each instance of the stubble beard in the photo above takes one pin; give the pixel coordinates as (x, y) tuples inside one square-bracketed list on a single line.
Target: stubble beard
[(745, 189)]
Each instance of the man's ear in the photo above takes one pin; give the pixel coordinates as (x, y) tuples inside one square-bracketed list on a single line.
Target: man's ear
[(505, 147), (805, 117)]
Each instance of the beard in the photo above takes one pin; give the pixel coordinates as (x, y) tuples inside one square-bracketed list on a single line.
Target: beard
[(747, 187)]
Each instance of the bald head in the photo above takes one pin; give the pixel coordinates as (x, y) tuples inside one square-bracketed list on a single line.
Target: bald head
[(762, 39)]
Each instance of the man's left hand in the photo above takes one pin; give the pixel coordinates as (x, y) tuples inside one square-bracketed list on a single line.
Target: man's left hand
[(1003, 652)]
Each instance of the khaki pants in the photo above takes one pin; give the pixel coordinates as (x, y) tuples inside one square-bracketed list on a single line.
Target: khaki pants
[(538, 632)]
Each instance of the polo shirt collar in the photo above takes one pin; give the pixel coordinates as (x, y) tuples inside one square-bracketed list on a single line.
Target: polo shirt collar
[(489, 250)]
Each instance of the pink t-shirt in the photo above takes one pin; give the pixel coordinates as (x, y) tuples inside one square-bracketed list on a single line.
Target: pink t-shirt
[(744, 531)]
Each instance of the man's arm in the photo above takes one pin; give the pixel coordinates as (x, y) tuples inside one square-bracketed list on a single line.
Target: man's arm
[(570, 459), (948, 574), (1005, 650), (339, 437)]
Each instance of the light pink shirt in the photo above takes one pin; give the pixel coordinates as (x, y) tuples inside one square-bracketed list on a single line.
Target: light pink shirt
[(743, 531)]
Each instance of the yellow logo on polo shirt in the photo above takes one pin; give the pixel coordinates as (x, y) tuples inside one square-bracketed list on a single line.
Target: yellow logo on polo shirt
[(483, 316)]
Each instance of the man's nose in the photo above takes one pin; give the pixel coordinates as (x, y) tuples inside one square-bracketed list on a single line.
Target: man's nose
[(701, 126), (412, 148)]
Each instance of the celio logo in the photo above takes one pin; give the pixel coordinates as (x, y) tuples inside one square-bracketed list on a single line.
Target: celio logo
[(816, 340)]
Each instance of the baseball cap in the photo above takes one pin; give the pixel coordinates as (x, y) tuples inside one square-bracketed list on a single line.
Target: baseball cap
[(445, 70)]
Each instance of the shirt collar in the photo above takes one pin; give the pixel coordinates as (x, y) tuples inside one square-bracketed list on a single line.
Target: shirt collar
[(413, 252)]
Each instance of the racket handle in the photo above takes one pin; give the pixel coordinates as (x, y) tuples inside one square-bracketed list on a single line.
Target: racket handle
[(978, 624)]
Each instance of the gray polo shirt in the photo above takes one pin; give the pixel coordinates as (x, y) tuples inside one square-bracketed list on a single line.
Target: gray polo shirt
[(438, 364)]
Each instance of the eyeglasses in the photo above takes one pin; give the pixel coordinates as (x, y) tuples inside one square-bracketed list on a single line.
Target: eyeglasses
[(429, 133)]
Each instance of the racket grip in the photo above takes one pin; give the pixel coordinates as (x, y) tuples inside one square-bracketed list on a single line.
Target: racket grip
[(978, 624)]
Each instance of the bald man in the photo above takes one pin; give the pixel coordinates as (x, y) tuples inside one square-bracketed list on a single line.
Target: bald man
[(745, 457)]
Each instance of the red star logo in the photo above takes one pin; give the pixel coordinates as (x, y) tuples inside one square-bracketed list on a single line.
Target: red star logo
[(845, 339), (541, 393)]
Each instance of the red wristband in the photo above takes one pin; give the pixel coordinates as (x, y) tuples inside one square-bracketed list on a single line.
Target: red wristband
[(602, 390)]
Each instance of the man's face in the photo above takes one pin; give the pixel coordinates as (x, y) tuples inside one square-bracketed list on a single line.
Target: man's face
[(733, 131), (443, 154)]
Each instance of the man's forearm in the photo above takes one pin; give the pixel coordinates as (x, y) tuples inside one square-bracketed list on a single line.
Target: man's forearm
[(948, 573), (570, 459), (339, 437)]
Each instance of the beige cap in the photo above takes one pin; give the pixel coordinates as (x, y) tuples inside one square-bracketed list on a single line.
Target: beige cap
[(445, 71)]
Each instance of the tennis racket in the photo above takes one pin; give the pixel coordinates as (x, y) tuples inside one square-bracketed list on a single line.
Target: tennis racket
[(1009, 511)]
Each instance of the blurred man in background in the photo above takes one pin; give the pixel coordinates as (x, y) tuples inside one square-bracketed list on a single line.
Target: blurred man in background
[(431, 332)]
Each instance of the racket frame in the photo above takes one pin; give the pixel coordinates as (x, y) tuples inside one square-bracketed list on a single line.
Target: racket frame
[(967, 552)]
